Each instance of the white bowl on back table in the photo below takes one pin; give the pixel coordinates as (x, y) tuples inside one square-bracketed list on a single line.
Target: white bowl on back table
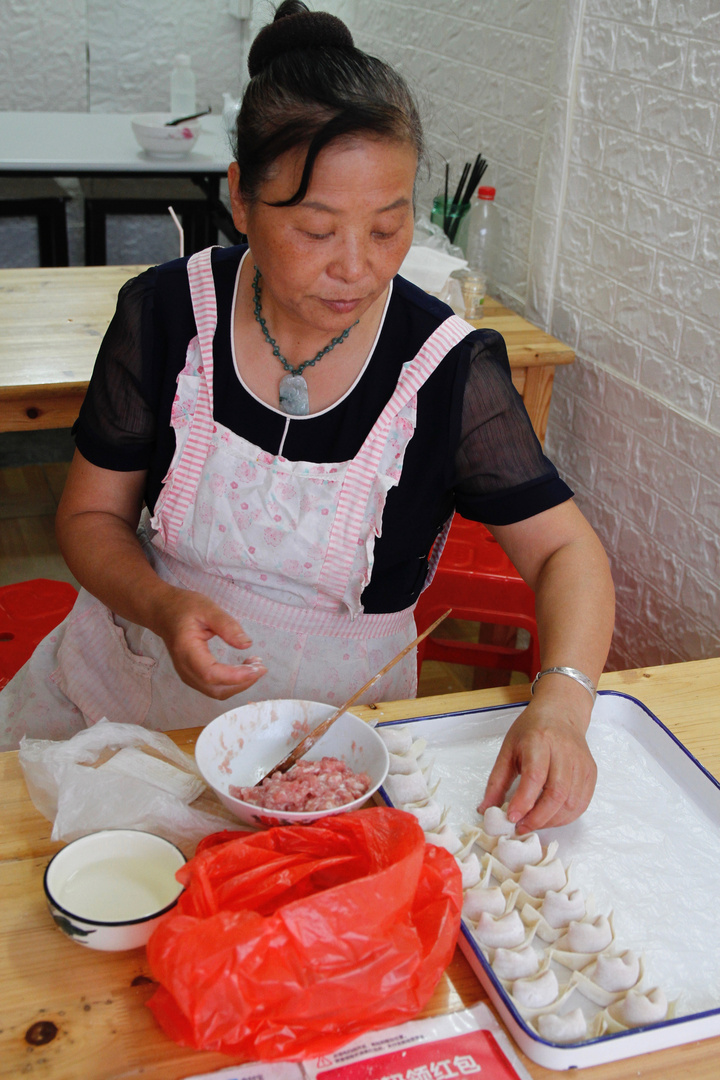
[(159, 140)]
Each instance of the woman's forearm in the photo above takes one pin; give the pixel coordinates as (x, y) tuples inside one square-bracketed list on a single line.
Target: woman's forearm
[(105, 555), (575, 608)]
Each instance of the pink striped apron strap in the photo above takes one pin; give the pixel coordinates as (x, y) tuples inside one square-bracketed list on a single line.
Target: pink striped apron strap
[(362, 472), (181, 492)]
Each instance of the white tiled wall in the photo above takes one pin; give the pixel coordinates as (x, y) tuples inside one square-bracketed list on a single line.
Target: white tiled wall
[(600, 122)]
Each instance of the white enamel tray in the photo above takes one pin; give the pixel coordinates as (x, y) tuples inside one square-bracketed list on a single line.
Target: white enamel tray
[(647, 849)]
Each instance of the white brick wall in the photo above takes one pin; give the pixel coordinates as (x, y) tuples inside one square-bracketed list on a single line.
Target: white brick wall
[(600, 122)]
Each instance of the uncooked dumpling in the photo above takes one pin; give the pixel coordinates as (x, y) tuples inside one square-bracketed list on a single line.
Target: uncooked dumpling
[(515, 963), (589, 937), (560, 908), (536, 880), (404, 789), (429, 814), (637, 1009), (615, 973), (537, 992), (470, 869), (398, 740), (505, 932), (403, 763), (481, 899), (495, 822), (563, 1029), (517, 851)]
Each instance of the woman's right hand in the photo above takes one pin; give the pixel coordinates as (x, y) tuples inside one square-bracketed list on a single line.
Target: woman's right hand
[(186, 623)]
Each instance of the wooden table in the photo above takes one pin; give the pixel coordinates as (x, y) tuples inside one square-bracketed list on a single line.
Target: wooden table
[(97, 1000), (52, 322)]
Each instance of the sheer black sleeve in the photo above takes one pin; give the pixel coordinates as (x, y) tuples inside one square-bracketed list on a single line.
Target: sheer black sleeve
[(116, 428), (501, 473)]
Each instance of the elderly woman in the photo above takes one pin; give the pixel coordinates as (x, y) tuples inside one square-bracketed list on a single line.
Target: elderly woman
[(300, 424)]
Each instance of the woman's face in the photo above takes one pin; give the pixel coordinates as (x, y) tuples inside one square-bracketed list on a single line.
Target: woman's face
[(325, 261)]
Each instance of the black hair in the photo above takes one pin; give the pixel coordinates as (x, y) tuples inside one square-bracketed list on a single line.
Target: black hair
[(309, 86)]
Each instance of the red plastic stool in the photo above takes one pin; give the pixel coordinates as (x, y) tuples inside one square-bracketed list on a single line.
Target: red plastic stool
[(29, 610), (477, 580)]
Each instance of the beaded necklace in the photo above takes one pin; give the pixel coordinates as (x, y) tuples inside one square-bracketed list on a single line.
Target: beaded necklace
[(294, 397)]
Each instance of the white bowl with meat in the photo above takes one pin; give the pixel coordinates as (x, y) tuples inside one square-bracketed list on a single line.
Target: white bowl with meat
[(339, 773)]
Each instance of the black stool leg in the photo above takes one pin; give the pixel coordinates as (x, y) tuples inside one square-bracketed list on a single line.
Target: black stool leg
[(52, 233), (95, 245)]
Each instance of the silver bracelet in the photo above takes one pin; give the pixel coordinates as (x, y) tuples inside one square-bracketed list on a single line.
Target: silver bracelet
[(572, 673)]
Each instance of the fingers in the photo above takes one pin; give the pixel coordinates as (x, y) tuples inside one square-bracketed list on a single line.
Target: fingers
[(227, 628), (191, 623), (501, 777), (556, 772)]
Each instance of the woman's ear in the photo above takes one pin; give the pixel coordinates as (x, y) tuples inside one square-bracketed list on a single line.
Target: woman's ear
[(239, 206)]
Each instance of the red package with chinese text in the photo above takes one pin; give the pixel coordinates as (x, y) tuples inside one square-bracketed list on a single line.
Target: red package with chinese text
[(290, 942)]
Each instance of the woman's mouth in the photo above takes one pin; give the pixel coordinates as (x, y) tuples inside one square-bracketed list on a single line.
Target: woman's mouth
[(342, 307)]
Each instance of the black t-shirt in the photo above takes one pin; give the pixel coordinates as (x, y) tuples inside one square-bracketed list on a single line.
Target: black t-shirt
[(473, 450)]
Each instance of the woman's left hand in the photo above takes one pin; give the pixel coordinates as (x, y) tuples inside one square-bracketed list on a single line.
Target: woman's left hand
[(562, 560), (546, 747)]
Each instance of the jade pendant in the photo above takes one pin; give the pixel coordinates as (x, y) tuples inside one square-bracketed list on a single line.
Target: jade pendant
[(294, 399)]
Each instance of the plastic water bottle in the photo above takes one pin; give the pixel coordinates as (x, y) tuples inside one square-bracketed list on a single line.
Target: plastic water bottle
[(182, 87), (481, 241)]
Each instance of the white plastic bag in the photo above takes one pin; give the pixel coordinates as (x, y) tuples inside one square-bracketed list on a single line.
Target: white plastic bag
[(70, 785)]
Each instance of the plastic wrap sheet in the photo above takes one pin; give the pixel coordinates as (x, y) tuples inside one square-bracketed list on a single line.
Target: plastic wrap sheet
[(647, 849)]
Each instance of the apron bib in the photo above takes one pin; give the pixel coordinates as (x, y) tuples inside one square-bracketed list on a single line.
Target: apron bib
[(286, 547)]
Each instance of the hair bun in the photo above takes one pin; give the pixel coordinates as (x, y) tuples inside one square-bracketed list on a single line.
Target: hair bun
[(304, 30)]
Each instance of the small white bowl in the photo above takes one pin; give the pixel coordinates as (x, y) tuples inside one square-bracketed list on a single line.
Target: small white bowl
[(108, 889), (158, 140), (237, 749)]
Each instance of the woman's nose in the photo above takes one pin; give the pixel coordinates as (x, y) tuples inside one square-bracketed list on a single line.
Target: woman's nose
[(350, 261)]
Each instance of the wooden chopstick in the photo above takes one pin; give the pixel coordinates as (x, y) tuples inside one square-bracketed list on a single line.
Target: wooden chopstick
[(304, 745)]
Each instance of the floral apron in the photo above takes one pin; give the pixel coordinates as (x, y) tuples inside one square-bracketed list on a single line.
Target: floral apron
[(286, 547)]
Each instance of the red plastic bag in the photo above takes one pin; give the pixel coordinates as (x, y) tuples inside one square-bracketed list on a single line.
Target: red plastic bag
[(290, 942)]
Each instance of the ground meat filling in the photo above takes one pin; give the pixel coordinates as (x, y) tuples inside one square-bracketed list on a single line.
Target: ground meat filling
[(307, 786)]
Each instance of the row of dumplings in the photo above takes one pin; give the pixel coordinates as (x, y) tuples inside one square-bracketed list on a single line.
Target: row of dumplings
[(526, 917)]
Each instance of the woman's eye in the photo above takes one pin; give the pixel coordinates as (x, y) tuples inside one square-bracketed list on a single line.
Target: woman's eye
[(318, 236), (383, 235)]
